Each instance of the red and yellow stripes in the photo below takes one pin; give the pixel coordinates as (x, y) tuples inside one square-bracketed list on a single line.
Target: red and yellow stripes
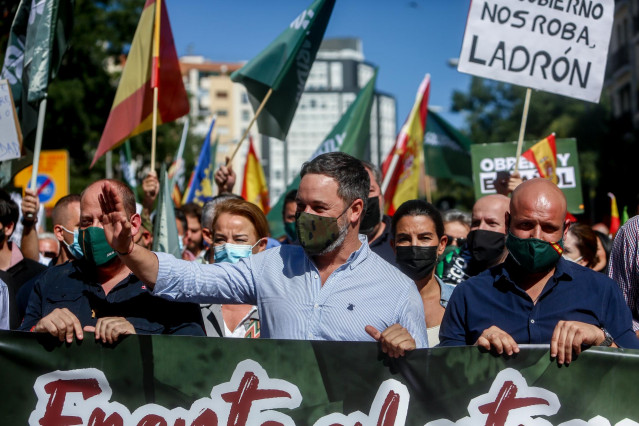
[(132, 110), (543, 155), (254, 187)]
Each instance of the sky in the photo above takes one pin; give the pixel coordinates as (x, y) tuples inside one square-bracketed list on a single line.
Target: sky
[(406, 39)]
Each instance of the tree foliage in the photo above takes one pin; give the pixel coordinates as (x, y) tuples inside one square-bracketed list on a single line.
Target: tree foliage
[(493, 113)]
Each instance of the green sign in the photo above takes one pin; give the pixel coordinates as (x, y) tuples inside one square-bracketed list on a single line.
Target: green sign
[(197, 381), (491, 160)]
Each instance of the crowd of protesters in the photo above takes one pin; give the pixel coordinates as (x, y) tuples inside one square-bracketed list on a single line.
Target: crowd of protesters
[(515, 270)]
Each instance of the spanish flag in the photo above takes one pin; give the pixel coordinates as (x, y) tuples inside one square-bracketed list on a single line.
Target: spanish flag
[(543, 155), (402, 166), (254, 188), (148, 64)]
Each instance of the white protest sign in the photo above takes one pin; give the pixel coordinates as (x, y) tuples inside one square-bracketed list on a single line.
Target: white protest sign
[(10, 135), (559, 46)]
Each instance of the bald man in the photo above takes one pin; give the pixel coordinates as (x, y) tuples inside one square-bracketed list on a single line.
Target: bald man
[(536, 296), (485, 244)]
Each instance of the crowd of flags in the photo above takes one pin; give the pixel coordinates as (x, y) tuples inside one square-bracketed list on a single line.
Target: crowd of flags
[(274, 81)]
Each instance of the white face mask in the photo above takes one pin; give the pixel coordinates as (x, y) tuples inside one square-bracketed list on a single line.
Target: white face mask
[(572, 260)]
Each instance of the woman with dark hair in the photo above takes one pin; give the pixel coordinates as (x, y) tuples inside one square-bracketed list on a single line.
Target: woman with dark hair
[(580, 245), (418, 239), (239, 230), (604, 245)]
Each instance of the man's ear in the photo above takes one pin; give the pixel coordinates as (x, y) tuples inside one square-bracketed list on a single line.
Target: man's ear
[(358, 210), (443, 242), (136, 224), (58, 232), (8, 230), (566, 226), (507, 220)]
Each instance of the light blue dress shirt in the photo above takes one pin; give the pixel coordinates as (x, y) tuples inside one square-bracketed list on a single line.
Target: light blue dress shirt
[(285, 285), (4, 306)]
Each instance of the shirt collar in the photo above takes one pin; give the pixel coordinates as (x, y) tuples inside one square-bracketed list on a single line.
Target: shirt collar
[(561, 273)]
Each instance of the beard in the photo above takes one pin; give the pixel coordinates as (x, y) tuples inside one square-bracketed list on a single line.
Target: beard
[(343, 230)]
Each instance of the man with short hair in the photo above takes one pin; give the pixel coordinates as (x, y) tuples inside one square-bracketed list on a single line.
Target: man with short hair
[(536, 296), (330, 287), (193, 239), (375, 224), (98, 293), (485, 244), (49, 247)]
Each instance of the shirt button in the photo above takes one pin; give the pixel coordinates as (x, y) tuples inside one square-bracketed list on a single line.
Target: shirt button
[(316, 306), (310, 335), (316, 277), (532, 321)]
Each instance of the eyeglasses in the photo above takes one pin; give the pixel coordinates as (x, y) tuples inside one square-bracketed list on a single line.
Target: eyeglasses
[(49, 254), (459, 241)]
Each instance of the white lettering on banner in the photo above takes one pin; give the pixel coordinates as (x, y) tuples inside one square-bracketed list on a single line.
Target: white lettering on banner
[(251, 397), (330, 145), (566, 176), (302, 20), (560, 48)]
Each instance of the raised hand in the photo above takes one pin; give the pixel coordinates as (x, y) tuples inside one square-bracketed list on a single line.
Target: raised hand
[(117, 227)]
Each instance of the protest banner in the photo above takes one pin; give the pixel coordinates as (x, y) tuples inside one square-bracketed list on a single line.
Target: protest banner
[(171, 380), (489, 159), (10, 135), (559, 46), (52, 182)]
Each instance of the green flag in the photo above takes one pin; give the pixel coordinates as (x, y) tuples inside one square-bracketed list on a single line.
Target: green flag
[(39, 38), (350, 135), (165, 234), (284, 67), (446, 151)]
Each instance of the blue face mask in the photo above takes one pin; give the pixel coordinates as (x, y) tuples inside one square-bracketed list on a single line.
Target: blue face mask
[(74, 248), (232, 253)]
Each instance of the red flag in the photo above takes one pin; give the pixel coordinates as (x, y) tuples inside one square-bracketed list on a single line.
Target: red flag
[(148, 63), (401, 168)]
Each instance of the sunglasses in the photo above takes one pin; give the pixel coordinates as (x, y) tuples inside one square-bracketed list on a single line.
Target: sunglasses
[(460, 241), (49, 254)]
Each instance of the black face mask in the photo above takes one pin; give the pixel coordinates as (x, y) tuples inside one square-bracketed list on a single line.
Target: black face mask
[(486, 246), (372, 216), (415, 261)]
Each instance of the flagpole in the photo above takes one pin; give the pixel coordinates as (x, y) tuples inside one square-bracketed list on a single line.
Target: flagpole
[(248, 129), (38, 145), (180, 153), (155, 77), (522, 128), (389, 172)]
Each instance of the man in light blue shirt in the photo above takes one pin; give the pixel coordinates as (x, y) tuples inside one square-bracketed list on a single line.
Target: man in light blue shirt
[(330, 287)]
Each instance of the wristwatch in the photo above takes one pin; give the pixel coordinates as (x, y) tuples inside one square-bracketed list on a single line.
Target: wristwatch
[(607, 341)]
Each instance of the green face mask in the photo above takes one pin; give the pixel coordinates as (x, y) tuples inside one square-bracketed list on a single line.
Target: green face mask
[(94, 246), (291, 232), (534, 255), (319, 234)]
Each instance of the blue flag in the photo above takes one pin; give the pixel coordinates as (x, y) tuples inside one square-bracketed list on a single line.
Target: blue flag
[(200, 188)]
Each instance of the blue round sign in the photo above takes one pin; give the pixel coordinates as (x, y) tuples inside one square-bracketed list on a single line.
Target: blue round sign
[(45, 187)]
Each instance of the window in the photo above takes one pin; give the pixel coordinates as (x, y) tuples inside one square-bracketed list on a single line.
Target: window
[(246, 115), (222, 94), (244, 98), (222, 113)]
